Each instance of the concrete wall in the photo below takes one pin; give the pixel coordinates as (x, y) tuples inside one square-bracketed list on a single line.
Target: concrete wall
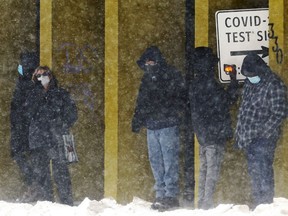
[(278, 18), (141, 24), (78, 62), (94, 47)]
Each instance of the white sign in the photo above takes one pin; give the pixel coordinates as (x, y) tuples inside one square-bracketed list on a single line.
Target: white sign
[(240, 32)]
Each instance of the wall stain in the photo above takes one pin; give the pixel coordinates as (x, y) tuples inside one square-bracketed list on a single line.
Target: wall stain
[(78, 58)]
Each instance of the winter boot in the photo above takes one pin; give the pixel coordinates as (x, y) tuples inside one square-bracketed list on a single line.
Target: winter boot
[(157, 203), (169, 203)]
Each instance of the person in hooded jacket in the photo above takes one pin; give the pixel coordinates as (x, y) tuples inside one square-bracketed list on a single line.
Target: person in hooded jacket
[(210, 104), (19, 143), (159, 106), (51, 112), (262, 111)]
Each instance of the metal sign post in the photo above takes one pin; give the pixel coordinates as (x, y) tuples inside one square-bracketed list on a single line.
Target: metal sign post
[(240, 32)]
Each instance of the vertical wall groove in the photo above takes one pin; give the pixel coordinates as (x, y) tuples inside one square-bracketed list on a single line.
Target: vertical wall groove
[(46, 32), (111, 99), (201, 39)]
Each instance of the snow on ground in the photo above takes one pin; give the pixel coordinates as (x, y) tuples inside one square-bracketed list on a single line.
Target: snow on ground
[(138, 207)]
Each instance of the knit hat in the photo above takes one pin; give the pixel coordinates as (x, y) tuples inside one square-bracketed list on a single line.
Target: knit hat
[(253, 65), (29, 62), (205, 53), (204, 62)]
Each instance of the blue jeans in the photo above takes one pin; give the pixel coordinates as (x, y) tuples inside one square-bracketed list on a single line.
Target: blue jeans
[(163, 150), (211, 157), (260, 157)]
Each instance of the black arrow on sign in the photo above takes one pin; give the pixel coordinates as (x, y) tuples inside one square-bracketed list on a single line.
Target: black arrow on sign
[(264, 51)]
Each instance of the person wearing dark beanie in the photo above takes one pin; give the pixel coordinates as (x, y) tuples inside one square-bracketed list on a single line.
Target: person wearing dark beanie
[(262, 111), (19, 143)]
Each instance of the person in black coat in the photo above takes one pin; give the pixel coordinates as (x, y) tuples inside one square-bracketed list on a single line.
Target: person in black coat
[(19, 143), (51, 112), (211, 120), (159, 106)]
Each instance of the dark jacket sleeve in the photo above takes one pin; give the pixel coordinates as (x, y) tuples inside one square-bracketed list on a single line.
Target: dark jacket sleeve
[(179, 91), (15, 105), (141, 109), (20, 94), (233, 92), (19, 124), (278, 107)]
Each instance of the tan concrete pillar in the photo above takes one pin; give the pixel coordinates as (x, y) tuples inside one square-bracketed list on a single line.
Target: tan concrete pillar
[(46, 32), (111, 99)]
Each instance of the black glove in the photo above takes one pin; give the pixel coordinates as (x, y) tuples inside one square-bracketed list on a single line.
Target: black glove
[(232, 75)]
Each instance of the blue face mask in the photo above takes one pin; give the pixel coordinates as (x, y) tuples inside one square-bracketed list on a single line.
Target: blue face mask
[(254, 80), (20, 69)]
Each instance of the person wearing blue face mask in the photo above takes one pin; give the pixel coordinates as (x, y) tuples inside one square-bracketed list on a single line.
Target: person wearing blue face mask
[(20, 69), (19, 143), (254, 79), (264, 107)]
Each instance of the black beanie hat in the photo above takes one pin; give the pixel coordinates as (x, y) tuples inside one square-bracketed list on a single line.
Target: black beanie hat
[(253, 65), (205, 53), (204, 62), (29, 62)]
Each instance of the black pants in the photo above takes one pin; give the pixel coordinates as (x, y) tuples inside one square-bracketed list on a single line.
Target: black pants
[(23, 160), (260, 157), (60, 172)]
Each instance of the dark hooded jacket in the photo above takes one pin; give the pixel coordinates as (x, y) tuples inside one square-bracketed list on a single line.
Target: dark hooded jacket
[(264, 105), (160, 99), (209, 101), (19, 123), (50, 113)]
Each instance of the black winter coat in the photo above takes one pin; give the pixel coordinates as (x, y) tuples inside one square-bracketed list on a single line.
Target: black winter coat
[(49, 112), (19, 122), (161, 95), (210, 105)]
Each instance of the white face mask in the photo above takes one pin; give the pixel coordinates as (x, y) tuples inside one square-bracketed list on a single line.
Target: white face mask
[(44, 80)]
